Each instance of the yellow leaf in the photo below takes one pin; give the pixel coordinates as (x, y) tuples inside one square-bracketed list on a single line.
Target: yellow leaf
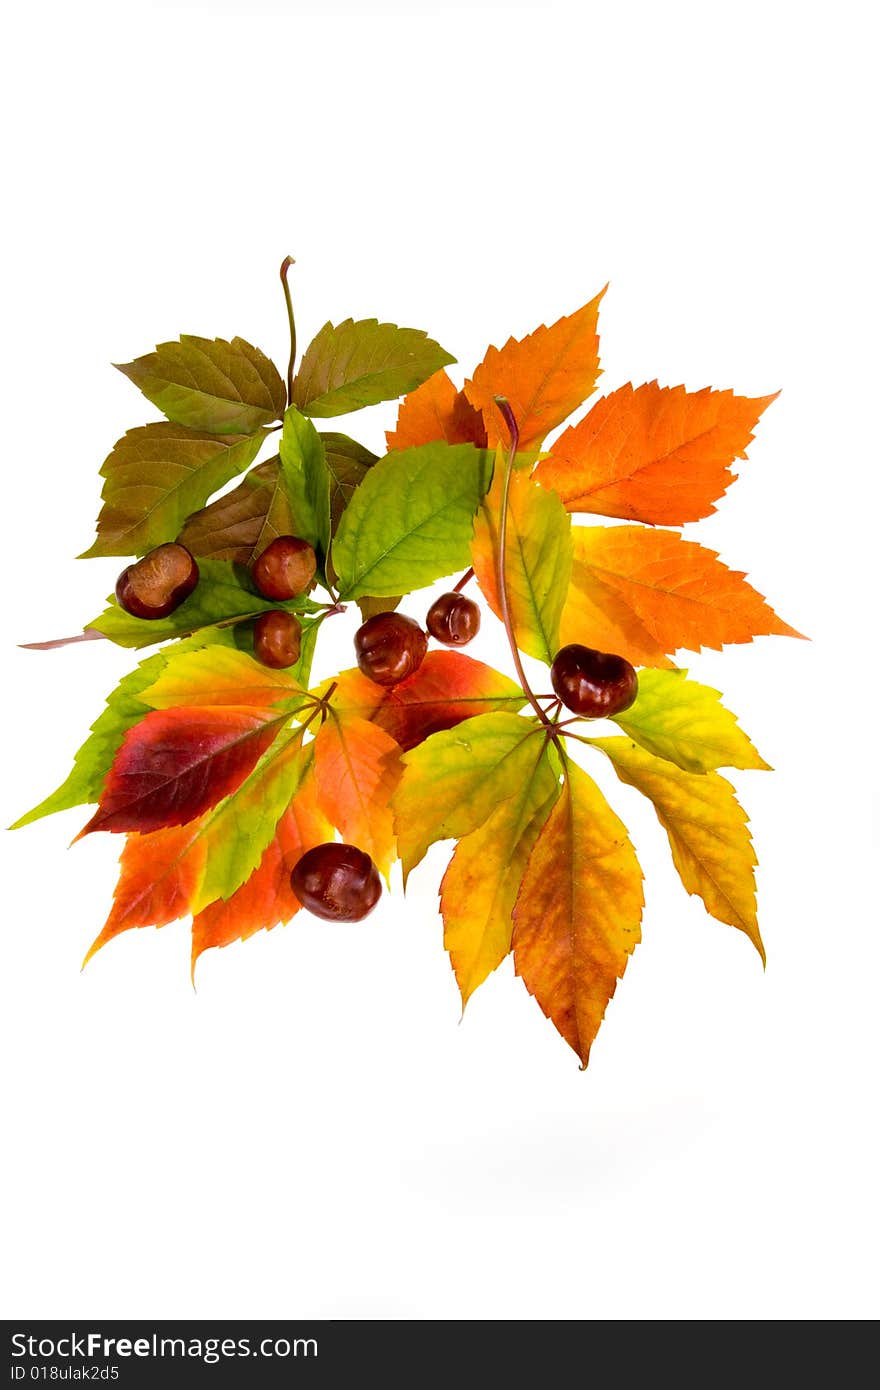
[(707, 829)]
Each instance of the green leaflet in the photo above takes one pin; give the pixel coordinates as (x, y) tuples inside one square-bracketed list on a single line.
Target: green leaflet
[(220, 596), (351, 365), (685, 722), (210, 384), (240, 827), (307, 479), (455, 779), (240, 524), (411, 520), (123, 709), (156, 476)]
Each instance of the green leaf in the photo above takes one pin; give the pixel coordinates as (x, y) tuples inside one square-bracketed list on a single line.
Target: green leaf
[(237, 831), (684, 722), (348, 463), (156, 476), (124, 708), (219, 597), (351, 365), (307, 479), (411, 520), (241, 523), (210, 384), (455, 779)]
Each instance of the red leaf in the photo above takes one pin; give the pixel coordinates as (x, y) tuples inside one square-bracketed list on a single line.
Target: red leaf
[(447, 688), (177, 763)]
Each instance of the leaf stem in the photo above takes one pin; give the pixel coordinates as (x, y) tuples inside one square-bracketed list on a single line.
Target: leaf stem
[(285, 267), (510, 420)]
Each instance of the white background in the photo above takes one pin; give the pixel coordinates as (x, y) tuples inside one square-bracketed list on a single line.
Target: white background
[(313, 1132)]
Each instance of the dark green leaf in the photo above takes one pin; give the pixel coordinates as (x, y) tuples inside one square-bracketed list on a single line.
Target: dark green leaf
[(411, 520), (351, 365), (305, 475), (156, 476), (210, 384)]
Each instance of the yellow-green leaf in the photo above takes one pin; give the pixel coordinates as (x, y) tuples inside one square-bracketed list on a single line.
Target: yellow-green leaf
[(455, 779), (685, 722), (482, 879), (537, 563), (221, 676)]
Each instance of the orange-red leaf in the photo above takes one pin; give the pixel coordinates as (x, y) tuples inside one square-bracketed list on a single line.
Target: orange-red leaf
[(169, 873), (177, 763), (436, 410), (544, 376), (656, 454), (159, 874), (357, 768), (266, 898), (447, 688), (679, 592), (578, 913)]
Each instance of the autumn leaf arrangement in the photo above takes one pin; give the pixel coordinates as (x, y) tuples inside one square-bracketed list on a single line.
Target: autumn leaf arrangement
[(246, 793)]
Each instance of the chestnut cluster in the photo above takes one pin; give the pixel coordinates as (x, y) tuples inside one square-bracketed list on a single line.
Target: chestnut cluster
[(155, 585), (390, 647)]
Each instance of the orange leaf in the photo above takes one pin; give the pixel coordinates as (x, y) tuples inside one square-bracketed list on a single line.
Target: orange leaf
[(357, 767), (159, 873), (436, 410), (544, 376), (597, 616), (680, 592), (266, 898), (578, 913), (447, 688), (656, 454)]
